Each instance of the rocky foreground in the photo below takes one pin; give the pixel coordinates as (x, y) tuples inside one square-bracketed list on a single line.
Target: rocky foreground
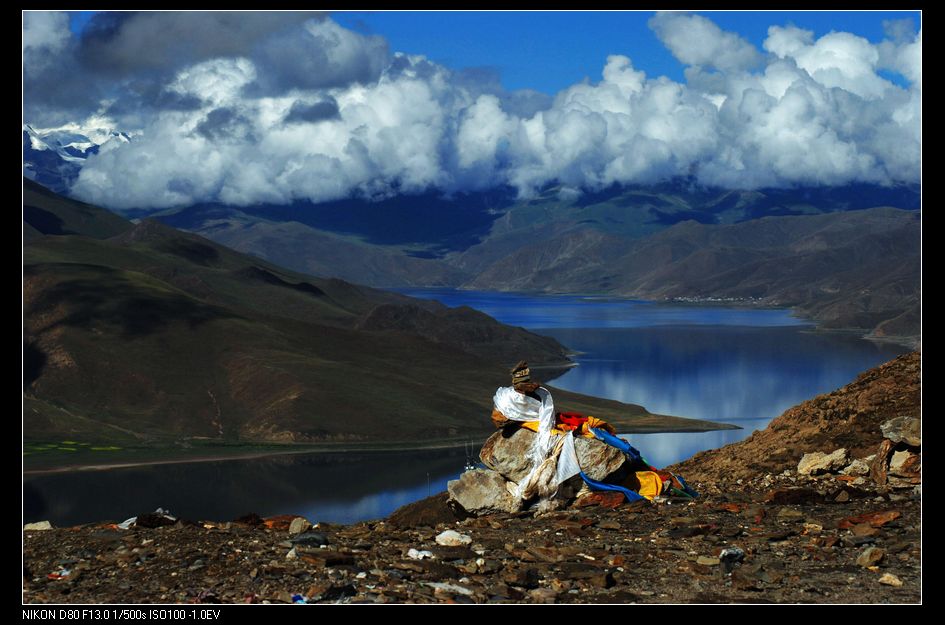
[(832, 525)]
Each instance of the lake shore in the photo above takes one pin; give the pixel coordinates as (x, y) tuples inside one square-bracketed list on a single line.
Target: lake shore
[(208, 452)]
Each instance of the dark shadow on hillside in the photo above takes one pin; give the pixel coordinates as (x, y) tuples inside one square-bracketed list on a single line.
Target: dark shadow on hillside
[(44, 221), (33, 362), (670, 218), (261, 275), (197, 253), (113, 300), (596, 197), (431, 218)]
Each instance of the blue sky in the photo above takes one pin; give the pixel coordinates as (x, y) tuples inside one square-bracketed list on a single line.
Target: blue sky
[(550, 50)]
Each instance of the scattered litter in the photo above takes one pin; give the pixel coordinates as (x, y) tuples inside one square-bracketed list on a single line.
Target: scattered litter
[(60, 574), (39, 525), (732, 554), (154, 519), (730, 557), (299, 599)]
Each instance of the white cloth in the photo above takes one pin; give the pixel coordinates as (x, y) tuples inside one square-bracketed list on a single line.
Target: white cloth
[(517, 406), (568, 465), (520, 407), (543, 480)]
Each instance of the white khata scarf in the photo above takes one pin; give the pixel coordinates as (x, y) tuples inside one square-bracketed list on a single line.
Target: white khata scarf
[(518, 407)]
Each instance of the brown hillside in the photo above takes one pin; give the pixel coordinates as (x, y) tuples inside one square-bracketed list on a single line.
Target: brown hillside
[(848, 417)]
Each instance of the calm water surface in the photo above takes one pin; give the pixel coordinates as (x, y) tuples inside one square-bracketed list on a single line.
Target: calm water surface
[(740, 366)]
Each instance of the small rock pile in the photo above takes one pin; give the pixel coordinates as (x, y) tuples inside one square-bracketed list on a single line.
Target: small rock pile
[(488, 491), (897, 463)]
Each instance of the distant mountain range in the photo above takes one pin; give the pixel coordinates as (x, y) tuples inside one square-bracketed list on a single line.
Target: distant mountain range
[(854, 270), (140, 333), (846, 256)]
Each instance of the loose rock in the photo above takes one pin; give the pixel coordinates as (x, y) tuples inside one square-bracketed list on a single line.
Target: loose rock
[(452, 538), (819, 462), (419, 555), (859, 467), (482, 492), (906, 430), (890, 580), (299, 525), (880, 463), (871, 556), (905, 464)]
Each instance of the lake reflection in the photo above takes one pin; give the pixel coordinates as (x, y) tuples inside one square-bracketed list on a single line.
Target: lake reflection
[(333, 487), (734, 365), (738, 366), (720, 373)]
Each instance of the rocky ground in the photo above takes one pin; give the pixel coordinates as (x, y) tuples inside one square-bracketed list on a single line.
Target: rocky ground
[(820, 526), (799, 545), (850, 417)]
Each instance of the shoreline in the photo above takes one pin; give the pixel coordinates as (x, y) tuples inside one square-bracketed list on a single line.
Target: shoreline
[(251, 454), (911, 342), (247, 455)]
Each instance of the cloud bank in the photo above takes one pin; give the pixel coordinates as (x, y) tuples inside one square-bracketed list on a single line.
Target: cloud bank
[(232, 108)]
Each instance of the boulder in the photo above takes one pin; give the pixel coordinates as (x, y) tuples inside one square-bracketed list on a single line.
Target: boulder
[(819, 462), (905, 464), (906, 430), (298, 525), (507, 453), (482, 492), (430, 511), (598, 459)]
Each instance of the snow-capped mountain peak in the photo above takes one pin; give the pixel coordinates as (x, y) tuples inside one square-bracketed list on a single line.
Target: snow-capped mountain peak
[(54, 156)]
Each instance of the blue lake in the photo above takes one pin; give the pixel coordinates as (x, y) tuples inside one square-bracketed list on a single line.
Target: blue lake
[(735, 365), (742, 366)]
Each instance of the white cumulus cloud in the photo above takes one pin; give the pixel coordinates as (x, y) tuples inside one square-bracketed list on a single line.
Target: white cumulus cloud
[(807, 111)]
